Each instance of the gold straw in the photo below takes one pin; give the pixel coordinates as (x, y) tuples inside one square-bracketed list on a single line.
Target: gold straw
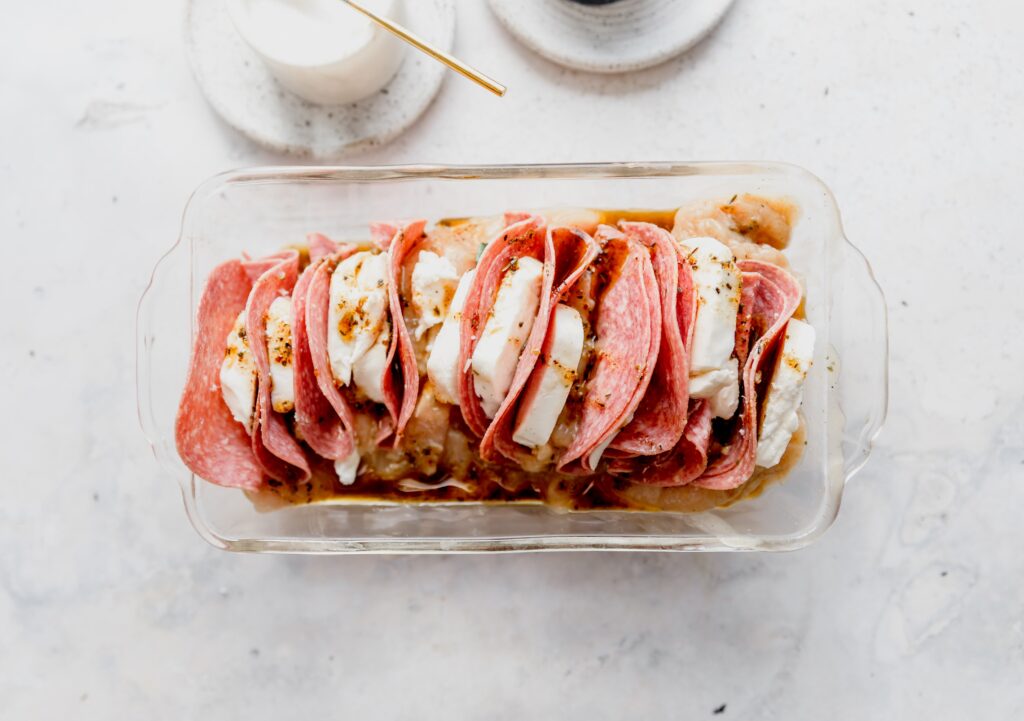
[(457, 65)]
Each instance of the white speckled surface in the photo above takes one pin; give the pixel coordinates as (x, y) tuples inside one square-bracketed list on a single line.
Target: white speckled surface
[(911, 607)]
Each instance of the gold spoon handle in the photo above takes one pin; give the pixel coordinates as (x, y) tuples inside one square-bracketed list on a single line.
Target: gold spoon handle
[(439, 55)]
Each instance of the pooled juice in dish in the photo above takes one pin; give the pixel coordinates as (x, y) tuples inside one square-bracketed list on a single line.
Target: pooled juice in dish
[(572, 357)]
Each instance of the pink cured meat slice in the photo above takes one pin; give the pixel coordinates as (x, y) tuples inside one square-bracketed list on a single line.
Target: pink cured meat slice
[(320, 246), (383, 233), (568, 252), (400, 404), (661, 417), (324, 429), (628, 329), (744, 317), (524, 238), (256, 268), (337, 433), (210, 441), (773, 297), (274, 447), (688, 459), (685, 462)]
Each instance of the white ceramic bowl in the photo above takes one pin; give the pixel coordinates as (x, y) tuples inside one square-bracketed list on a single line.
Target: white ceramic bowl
[(364, 60)]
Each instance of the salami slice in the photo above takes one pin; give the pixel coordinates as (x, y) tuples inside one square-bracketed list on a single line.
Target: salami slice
[(210, 441), (320, 246), (317, 418), (685, 462), (276, 450), (255, 268), (688, 458), (400, 399), (661, 417), (335, 438), (628, 330), (524, 238), (382, 233), (744, 315), (567, 252), (771, 296)]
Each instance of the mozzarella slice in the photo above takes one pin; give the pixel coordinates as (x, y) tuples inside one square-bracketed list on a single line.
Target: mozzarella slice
[(348, 468), (725, 402), (782, 400), (721, 386), (713, 372), (358, 310), (595, 455), (443, 362), (368, 372), (238, 375), (279, 348), (708, 384), (717, 281), (508, 325), (433, 284), (535, 422)]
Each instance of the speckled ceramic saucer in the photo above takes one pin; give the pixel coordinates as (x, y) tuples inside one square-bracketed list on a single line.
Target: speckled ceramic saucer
[(242, 90), (610, 38)]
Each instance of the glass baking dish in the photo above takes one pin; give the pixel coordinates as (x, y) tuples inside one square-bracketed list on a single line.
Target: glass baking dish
[(259, 210)]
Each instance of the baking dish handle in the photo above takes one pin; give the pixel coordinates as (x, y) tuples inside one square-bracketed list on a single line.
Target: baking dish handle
[(863, 342)]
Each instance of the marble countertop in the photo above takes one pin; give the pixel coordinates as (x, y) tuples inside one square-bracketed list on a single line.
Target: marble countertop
[(911, 607)]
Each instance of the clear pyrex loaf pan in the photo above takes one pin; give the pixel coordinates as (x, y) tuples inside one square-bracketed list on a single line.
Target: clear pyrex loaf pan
[(259, 210)]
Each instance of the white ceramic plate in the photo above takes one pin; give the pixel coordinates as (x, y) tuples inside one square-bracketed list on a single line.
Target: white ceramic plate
[(613, 38), (245, 94)]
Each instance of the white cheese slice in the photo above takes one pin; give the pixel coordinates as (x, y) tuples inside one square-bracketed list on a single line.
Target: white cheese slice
[(238, 375), (279, 348), (443, 362), (785, 391), (434, 280), (505, 332), (725, 402), (717, 282), (595, 455), (358, 310), (368, 372), (721, 386), (535, 422), (347, 468)]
